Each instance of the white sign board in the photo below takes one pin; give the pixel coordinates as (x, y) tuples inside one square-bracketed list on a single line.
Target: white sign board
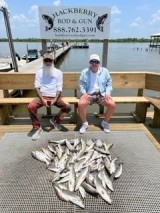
[(74, 22)]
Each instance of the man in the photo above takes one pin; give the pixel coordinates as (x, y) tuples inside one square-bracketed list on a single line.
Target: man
[(48, 87), (95, 86)]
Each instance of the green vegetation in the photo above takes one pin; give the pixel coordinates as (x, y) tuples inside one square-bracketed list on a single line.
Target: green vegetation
[(76, 40)]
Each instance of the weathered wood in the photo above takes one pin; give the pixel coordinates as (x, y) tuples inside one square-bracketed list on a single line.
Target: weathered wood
[(105, 53), (156, 117), (26, 80), (152, 81)]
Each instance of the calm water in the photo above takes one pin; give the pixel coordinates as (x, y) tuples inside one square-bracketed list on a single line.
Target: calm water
[(121, 56)]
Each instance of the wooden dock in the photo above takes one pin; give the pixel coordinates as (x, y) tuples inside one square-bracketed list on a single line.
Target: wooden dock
[(37, 64), (116, 124)]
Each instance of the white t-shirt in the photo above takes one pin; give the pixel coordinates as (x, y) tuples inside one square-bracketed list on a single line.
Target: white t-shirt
[(49, 84), (93, 87)]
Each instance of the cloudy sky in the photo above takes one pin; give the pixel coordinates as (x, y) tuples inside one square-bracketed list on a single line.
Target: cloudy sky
[(129, 18)]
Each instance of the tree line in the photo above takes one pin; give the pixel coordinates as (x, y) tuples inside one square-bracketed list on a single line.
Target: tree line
[(75, 40)]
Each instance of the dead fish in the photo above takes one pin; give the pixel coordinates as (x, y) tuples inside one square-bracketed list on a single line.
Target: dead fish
[(39, 155), (62, 142), (119, 171), (89, 189), (101, 150), (52, 148), (98, 142), (107, 179), (74, 198), (60, 193), (113, 166), (81, 177), (70, 147), (72, 178), (48, 153), (102, 191), (107, 163), (58, 151), (82, 192)]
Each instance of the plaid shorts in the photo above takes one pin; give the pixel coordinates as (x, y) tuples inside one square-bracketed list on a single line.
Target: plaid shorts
[(95, 98)]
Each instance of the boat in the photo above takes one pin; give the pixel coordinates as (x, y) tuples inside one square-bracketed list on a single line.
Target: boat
[(84, 45), (31, 55), (5, 64)]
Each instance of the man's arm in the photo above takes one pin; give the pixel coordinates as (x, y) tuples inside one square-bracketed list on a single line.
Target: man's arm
[(82, 84)]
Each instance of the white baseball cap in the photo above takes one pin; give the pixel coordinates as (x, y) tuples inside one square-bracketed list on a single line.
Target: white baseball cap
[(94, 57)]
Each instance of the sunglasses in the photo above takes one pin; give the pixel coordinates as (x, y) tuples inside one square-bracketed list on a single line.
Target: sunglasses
[(48, 60), (94, 62)]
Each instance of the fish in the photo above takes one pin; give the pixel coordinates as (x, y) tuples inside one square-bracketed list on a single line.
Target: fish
[(82, 191), (67, 195), (80, 166), (102, 191), (62, 142), (106, 179), (118, 172), (74, 198), (60, 193), (72, 178), (39, 155), (113, 166), (100, 21), (89, 189), (81, 177), (49, 21), (48, 153)]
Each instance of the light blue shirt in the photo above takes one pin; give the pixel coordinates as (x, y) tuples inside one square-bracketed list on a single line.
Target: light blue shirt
[(49, 85), (103, 79)]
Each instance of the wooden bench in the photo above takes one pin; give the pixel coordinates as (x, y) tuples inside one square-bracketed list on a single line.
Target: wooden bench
[(25, 81), (153, 83)]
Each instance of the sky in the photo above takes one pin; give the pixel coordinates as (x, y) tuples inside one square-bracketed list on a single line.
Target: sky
[(129, 18)]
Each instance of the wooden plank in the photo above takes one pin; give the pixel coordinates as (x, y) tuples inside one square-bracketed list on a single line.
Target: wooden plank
[(156, 117), (15, 101), (128, 80), (152, 81), (26, 100), (26, 80), (17, 81)]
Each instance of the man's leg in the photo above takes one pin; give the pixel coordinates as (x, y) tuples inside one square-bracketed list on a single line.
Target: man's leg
[(82, 107), (32, 109), (110, 105), (65, 108)]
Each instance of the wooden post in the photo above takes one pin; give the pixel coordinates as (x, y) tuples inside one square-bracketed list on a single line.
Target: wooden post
[(44, 46), (104, 64)]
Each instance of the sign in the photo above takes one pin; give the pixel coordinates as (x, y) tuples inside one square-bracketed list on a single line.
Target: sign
[(74, 22)]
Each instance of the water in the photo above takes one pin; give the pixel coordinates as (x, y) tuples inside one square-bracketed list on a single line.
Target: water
[(121, 56)]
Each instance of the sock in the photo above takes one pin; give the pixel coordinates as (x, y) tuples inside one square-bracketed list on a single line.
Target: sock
[(86, 123)]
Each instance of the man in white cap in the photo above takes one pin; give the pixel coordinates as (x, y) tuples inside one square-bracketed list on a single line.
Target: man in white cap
[(95, 85), (48, 87)]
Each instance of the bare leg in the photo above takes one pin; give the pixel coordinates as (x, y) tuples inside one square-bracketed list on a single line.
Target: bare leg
[(82, 107), (110, 109)]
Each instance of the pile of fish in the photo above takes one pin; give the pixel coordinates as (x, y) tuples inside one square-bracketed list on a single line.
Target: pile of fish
[(80, 165)]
